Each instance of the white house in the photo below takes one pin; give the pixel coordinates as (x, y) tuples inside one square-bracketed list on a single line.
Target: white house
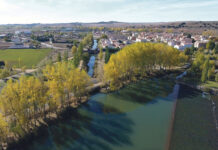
[(172, 43), (140, 40), (179, 47), (199, 44)]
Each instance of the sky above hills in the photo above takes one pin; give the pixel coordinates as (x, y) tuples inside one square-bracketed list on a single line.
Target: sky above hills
[(64, 11)]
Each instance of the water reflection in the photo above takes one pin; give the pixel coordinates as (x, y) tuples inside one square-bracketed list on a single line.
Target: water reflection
[(145, 91), (86, 129), (91, 65), (135, 117), (95, 45)]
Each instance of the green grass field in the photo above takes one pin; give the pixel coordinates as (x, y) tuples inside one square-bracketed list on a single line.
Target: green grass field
[(23, 57)]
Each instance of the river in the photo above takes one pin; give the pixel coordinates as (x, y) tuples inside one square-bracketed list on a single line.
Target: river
[(137, 117), (91, 66), (91, 63)]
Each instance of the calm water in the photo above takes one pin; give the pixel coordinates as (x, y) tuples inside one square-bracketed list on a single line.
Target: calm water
[(136, 117), (95, 45), (91, 66), (91, 63)]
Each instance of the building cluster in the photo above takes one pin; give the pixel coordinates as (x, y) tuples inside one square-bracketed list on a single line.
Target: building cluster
[(25, 39), (17, 40), (65, 37), (176, 40), (114, 40)]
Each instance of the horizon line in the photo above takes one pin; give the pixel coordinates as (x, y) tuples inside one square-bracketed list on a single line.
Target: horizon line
[(81, 22)]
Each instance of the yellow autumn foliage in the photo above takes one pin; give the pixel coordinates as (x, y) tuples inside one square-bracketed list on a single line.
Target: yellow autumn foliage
[(25, 101), (138, 59)]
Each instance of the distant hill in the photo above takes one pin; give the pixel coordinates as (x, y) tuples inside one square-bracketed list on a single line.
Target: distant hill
[(180, 26), (109, 22)]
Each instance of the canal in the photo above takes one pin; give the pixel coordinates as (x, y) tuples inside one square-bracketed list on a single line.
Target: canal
[(137, 117), (91, 63)]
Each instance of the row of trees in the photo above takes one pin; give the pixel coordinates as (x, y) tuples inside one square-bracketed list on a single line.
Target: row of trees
[(64, 58), (138, 59), (88, 40), (78, 52), (210, 33), (107, 55), (211, 45), (204, 65), (26, 102), (42, 38)]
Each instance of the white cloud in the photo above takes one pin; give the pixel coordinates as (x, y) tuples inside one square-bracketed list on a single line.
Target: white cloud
[(48, 11), (186, 5), (4, 6)]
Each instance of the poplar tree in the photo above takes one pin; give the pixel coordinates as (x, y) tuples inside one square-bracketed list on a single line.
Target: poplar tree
[(74, 50), (139, 59), (59, 57), (101, 53)]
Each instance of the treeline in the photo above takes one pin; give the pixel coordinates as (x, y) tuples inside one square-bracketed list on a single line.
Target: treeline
[(204, 66), (138, 59), (109, 52), (210, 33), (203, 62), (88, 40), (7, 70), (25, 103), (42, 38), (78, 52)]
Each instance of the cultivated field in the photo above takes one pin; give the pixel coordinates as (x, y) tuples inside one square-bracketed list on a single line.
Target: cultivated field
[(23, 57)]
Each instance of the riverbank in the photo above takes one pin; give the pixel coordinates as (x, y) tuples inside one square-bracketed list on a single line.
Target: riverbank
[(73, 103), (167, 74), (77, 103), (122, 120), (213, 91), (40, 130), (194, 81)]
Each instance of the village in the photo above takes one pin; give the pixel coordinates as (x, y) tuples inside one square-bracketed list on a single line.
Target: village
[(108, 75), (177, 40), (82, 73), (66, 38)]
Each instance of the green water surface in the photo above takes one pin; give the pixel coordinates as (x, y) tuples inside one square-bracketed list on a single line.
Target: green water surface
[(136, 117)]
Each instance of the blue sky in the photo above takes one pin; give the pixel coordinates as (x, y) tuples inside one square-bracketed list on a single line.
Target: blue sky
[(57, 11)]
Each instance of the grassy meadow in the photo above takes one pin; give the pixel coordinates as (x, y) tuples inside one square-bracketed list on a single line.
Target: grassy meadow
[(23, 57)]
